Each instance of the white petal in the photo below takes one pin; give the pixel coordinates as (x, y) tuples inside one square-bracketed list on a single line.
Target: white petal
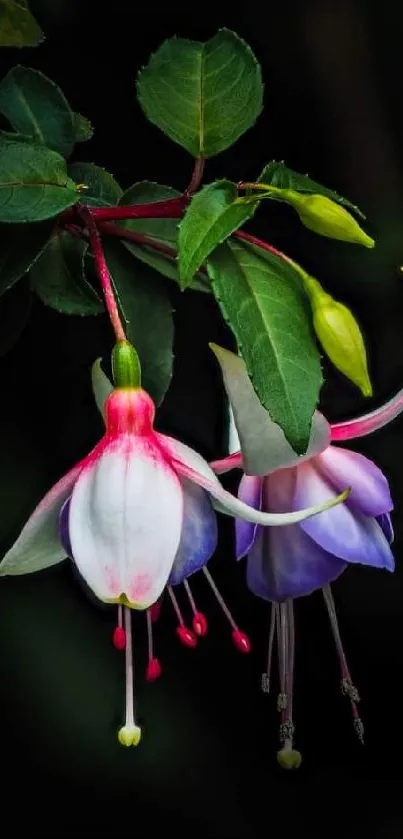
[(191, 465), (38, 545), (125, 522), (263, 444), (101, 386), (233, 437)]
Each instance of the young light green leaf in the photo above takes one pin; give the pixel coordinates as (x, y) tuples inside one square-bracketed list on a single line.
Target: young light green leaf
[(83, 130), (18, 27), (163, 231), (59, 280), (34, 184), (202, 95), (36, 107), (147, 311), (265, 306), (213, 214), (279, 175), (102, 189), (15, 309), (20, 246)]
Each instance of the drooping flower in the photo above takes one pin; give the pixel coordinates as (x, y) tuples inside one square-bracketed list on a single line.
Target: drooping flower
[(302, 558), (136, 511)]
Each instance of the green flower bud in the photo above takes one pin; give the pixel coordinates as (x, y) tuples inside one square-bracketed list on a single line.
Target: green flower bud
[(339, 334), (125, 365), (289, 758), (324, 216)]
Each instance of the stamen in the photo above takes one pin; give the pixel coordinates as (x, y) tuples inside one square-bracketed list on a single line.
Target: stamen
[(119, 635), (199, 622), (347, 686), (287, 756), (239, 638), (266, 677), (130, 733), (185, 635), (153, 670)]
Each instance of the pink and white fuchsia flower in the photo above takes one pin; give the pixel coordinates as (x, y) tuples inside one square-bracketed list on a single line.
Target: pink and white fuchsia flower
[(135, 513), (304, 557)]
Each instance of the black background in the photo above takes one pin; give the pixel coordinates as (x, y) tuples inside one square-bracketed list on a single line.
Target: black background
[(206, 764)]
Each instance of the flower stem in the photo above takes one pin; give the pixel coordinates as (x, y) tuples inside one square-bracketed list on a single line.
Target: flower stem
[(102, 270), (253, 240), (196, 176)]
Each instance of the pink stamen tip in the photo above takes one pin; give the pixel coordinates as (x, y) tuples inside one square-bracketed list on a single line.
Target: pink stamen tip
[(155, 610), (119, 638), (153, 670), (241, 641), (200, 625), (186, 636)]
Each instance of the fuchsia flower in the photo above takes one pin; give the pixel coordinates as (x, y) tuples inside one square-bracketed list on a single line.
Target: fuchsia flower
[(304, 557), (135, 514)]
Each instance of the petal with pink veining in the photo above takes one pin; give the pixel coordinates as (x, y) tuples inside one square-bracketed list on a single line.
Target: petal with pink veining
[(199, 533), (38, 545), (125, 521), (249, 491), (285, 563), (341, 531), (369, 488)]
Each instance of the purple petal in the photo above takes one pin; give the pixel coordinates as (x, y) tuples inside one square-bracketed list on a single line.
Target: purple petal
[(385, 523), (370, 492), (199, 533), (64, 533), (285, 563), (249, 491), (342, 531)]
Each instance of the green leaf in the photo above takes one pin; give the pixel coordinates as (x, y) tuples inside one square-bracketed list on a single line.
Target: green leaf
[(15, 310), (59, 280), (213, 214), (202, 95), (18, 27), (280, 176), (34, 184), (20, 246), (35, 106), (102, 190), (263, 301), (163, 231), (147, 312), (82, 128)]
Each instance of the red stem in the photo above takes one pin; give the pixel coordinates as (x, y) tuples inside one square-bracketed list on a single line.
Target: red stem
[(102, 270), (137, 238), (253, 240), (171, 208), (196, 176)]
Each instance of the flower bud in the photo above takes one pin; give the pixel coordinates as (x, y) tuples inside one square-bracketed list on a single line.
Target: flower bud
[(324, 216), (339, 334), (125, 365)]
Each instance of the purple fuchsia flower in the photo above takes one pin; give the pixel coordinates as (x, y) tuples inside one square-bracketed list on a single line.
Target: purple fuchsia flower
[(301, 558), (138, 511)]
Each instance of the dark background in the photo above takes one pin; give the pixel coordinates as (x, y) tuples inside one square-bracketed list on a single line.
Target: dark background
[(206, 764)]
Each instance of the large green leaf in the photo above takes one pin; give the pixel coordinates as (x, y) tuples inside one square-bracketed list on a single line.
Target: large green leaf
[(213, 214), (202, 95), (280, 176), (265, 306), (147, 311), (163, 231), (34, 184), (20, 246), (18, 27), (59, 280), (36, 107), (102, 189)]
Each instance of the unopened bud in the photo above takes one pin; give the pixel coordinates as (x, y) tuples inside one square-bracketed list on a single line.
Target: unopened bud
[(125, 365), (324, 216), (339, 334)]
